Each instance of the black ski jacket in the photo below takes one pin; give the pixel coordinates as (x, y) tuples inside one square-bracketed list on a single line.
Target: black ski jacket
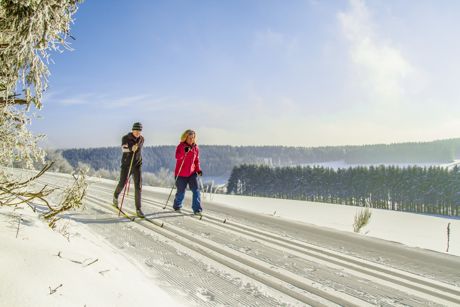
[(127, 143)]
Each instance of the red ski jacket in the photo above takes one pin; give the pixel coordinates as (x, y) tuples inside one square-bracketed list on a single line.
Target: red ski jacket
[(190, 160)]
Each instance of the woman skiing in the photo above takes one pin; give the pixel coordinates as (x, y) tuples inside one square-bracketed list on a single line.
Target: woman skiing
[(187, 170)]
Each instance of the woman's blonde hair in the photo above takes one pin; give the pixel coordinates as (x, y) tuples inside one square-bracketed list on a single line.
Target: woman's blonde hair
[(187, 132)]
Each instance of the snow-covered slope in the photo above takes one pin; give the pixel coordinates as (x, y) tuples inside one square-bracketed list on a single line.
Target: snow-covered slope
[(416, 230), (69, 267), (243, 253)]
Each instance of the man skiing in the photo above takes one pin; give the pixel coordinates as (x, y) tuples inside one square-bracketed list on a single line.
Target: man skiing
[(131, 164), (187, 170)]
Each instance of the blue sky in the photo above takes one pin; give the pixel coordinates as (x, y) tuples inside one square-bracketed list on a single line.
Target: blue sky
[(301, 73)]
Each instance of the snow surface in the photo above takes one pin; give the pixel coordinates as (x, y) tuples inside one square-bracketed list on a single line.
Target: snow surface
[(411, 229), (39, 260), (415, 230)]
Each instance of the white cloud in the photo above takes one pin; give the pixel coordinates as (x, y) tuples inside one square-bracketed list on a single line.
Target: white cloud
[(74, 101), (379, 67), (63, 98), (144, 101), (128, 101)]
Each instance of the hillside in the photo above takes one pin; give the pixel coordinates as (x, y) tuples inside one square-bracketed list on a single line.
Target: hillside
[(218, 160)]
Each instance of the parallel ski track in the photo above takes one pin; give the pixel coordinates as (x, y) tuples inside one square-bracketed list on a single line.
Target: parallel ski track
[(281, 280), (423, 287)]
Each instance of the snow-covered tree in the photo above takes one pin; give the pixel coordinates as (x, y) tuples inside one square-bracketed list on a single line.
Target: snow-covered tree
[(162, 178), (29, 31), (60, 165)]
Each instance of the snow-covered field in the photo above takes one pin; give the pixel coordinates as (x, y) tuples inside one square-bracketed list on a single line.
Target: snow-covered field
[(40, 267), (245, 252), (415, 230)]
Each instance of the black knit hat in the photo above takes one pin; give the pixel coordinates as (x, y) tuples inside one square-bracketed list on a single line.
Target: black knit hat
[(137, 126)]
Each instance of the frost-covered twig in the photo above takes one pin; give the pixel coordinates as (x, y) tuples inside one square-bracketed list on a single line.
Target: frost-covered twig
[(14, 192), (448, 237), (19, 224), (17, 192), (94, 261), (52, 291), (362, 219), (72, 198)]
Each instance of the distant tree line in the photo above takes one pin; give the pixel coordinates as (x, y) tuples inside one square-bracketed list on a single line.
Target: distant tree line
[(429, 190), (220, 160)]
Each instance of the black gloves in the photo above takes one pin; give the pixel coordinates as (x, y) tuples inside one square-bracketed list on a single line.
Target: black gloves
[(200, 173), (187, 148)]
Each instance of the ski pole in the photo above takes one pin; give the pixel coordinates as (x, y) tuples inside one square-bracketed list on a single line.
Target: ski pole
[(175, 180), (201, 185), (126, 183)]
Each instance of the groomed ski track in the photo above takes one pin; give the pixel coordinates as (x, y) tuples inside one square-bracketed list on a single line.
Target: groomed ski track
[(225, 260)]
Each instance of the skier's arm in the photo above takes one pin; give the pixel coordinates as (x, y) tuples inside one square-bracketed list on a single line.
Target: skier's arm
[(124, 145), (197, 161), (180, 152), (138, 145), (127, 147)]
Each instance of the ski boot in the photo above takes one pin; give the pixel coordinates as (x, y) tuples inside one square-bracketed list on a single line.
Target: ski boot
[(140, 213)]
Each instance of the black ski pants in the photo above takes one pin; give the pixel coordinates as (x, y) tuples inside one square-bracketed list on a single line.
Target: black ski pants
[(136, 172)]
